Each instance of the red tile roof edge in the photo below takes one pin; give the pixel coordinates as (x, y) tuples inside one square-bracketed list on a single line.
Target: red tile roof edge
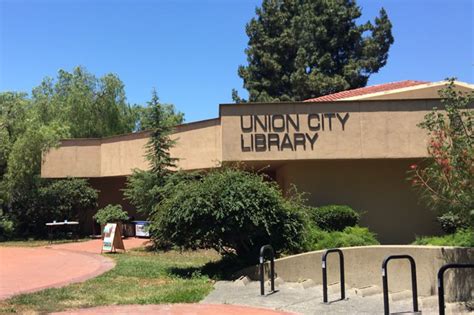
[(366, 90)]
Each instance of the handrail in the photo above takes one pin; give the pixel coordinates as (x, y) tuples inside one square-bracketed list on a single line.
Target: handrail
[(441, 271), (341, 273), (385, 282), (263, 249)]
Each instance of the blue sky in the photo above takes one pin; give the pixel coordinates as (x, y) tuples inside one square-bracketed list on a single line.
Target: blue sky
[(189, 50)]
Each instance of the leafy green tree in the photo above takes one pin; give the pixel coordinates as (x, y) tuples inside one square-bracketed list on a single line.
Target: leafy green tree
[(24, 161), (299, 49), (87, 105), (74, 104), (445, 180), (13, 109), (171, 116), (24, 137), (48, 200)]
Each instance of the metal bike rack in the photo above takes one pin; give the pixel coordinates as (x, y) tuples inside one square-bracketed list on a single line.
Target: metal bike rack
[(441, 283), (264, 249), (341, 273), (413, 282)]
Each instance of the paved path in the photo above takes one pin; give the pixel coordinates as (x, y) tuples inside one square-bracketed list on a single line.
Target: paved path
[(24, 270), (94, 246), (301, 299), (176, 309)]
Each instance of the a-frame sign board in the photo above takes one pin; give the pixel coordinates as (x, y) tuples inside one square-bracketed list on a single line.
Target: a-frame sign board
[(112, 238)]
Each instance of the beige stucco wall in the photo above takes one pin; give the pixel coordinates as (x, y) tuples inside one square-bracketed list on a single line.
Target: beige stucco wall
[(374, 129), (198, 146), (377, 188), (119, 156), (75, 158)]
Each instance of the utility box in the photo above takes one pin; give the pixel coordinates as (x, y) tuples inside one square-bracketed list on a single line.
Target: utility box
[(141, 228)]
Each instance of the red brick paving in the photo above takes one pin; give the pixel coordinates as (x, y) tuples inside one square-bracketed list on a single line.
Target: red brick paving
[(94, 246), (176, 309), (24, 270)]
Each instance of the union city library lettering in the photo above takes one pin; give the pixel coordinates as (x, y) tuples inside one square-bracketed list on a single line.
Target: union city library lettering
[(280, 132)]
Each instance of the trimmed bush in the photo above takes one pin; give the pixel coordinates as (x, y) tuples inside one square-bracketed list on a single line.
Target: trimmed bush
[(350, 236), (334, 217), (463, 238), (111, 214), (229, 210), (451, 222)]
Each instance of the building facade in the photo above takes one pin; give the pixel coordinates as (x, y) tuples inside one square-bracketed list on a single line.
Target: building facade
[(352, 148)]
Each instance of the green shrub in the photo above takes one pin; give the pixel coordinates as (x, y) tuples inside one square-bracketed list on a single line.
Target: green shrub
[(451, 222), (111, 214), (350, 236), (230, 210), (334, 217), (49, 200), (6, 227), (463, 237)]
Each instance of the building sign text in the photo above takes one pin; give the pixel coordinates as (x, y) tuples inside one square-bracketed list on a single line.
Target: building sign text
[(280, 132)]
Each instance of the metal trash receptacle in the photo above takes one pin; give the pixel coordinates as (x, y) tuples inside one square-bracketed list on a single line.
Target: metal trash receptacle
[(128, 229)]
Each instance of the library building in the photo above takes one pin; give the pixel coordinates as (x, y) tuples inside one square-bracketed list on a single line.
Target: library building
[(351, 148)]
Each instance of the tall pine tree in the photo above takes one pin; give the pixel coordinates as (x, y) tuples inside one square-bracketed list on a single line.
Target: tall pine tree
[(144, 187), (299, 49), (160, 143)]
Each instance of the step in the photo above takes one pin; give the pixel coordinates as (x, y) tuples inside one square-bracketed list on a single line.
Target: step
[(302, 285), (242, 281), (401, 295), (368, 291), (278, 281)]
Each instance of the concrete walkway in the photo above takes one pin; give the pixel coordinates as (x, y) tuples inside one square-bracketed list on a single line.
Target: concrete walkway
[(307, 298), (176, 309), (24, 270)]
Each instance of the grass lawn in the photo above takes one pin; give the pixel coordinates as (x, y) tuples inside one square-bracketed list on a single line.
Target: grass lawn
[(38, 243), (139, 277)]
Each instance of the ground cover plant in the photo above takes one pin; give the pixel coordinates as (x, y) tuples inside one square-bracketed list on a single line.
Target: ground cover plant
[(140, 277), (333, 226), (463, 238), (348, 237)]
